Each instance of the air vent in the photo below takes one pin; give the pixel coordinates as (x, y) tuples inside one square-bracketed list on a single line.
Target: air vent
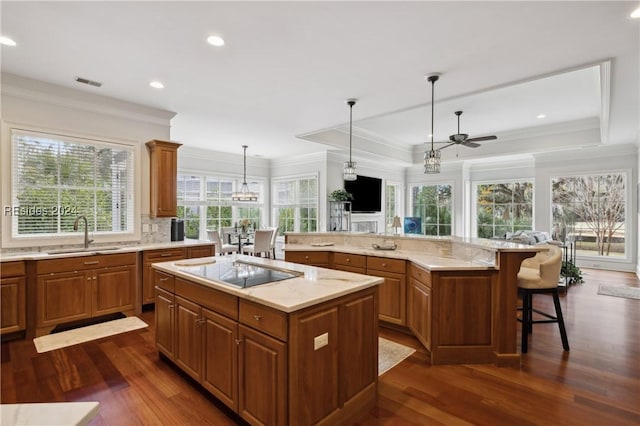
[(89, 82)]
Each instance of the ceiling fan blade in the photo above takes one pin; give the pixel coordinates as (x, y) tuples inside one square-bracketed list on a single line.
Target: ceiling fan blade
[(482, 138), (446, 146), (470, 144)]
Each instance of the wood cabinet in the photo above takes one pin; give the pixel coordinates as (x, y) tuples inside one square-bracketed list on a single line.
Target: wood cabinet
[(12, 297), (313, 258), (166, 255), (76, 288), (163, 167), (419, 301), (317, 365), (393, 292), (148, 277)]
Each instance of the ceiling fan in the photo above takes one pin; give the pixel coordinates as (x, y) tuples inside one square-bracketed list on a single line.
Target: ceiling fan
[(463, 138)]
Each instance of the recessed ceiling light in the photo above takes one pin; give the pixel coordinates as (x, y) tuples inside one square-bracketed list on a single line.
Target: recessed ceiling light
[(541, 115), (156, 85), (7, 41), (635, 13), (215, 41)]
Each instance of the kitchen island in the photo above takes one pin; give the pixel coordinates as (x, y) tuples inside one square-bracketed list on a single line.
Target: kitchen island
[(457, 295), (277, 342)]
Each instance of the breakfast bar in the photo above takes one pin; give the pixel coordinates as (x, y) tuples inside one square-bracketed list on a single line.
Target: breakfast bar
[(457, 295), (279, 343)]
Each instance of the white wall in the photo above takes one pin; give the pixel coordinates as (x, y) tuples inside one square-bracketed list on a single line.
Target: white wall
[(34, 105)]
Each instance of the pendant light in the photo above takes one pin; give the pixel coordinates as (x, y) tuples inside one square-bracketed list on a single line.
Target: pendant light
[(244, 194), (349, 172), (432, 157)]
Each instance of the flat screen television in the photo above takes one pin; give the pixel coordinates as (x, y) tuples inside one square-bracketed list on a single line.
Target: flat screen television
[(366, 192)]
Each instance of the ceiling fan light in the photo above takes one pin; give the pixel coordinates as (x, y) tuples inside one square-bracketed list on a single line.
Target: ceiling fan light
[(349, 172), (432, 162)]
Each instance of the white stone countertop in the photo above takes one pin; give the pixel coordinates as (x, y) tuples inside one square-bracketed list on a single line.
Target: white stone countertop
[(316, 285), (429, 262), (51, 414), (98, 249)]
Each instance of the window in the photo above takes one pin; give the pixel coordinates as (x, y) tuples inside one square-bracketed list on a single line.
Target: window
[(433, 205), (503, 207), (392, 202), (57, 178), (591, 211), (204, 203), (295, 204)]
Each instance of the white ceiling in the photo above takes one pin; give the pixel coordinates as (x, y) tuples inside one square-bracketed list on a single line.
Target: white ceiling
[(281, 79)]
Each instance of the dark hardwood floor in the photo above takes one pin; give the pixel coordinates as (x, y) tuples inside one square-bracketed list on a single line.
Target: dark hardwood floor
[(596, 383)]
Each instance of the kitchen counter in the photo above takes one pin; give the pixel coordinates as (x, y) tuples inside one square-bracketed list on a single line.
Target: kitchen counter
[(430, 262), (92, 250), (314, 286)]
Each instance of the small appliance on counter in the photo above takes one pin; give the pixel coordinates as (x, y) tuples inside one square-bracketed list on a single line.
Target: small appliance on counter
[(177, 229)]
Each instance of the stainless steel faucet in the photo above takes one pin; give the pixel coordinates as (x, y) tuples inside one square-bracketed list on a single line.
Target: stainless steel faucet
[(86, 230)]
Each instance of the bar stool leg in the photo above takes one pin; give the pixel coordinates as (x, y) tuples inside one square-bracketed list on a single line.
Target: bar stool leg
[(563, 331), (525, 320)]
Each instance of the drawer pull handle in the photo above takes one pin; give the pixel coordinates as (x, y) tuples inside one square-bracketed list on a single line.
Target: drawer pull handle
[(200, 321), (348, 260), (92, 262), (306, 257), (257, 317), (164, 279), (384, 265), (165, 254)]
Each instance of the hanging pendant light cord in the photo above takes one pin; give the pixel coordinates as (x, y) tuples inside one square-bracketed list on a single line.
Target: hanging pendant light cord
[(350, 127), (432, 108), (245, 164)]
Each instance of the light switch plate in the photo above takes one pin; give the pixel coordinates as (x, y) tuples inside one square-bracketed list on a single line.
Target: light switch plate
[(145, 227), (154, 227), (320, 341)]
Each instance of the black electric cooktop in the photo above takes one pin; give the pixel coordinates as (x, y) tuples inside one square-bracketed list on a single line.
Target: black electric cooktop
[(240, 274)]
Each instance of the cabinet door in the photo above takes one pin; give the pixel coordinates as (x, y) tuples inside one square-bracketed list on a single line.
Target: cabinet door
[(163, 167), (12, 298), (419, 312), (113, 289), (262, 388), (221, 358), (189, 335), (165, 322), (63, 297), (200, 251), (392, 293)]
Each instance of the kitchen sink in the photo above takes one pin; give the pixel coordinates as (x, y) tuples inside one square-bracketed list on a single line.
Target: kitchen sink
[(83, 250)]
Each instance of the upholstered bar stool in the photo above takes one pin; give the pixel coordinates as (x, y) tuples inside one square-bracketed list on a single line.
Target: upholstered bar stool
[(540, 275)]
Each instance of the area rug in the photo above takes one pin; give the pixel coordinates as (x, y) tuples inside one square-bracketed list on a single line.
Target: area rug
[(620, 291), (51, 342), (391, 354)]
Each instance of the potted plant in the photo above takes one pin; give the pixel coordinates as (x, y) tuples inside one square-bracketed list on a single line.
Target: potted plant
[(571, 272), (340, 195)]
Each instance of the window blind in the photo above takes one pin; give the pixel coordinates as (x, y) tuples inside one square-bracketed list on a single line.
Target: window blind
[(57, 178)]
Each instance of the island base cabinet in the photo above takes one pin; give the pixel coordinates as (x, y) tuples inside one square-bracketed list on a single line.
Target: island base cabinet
[(188, 347), (221, 345), (165, 322), (12, 311), (419, 312), (262, 375)]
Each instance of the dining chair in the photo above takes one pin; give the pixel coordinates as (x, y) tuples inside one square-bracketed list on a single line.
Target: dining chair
[(261, 243), (541, 274), (220, 247), (273, 241)]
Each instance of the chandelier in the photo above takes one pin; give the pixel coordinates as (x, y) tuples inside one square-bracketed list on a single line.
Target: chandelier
[(431, 156), (349, 172), (245, 194)]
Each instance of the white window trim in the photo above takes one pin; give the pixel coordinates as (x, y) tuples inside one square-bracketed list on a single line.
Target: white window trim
[(453, 198), (297, 219), (40, 241)]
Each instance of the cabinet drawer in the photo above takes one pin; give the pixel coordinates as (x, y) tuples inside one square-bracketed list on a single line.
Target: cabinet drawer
[(201, 251), (164, 254), (163, 280), (219, 302), (354, 260), (262, 318), (12, 269), (83, 263), (421, 275), (308, 257), (386, 264)]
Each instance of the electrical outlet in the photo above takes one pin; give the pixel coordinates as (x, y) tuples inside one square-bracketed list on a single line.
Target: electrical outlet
[(154, 227), (145, 227), (320, 341)]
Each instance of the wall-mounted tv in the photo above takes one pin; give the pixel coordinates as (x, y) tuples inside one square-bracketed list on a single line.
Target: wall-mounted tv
[(367, 194)]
